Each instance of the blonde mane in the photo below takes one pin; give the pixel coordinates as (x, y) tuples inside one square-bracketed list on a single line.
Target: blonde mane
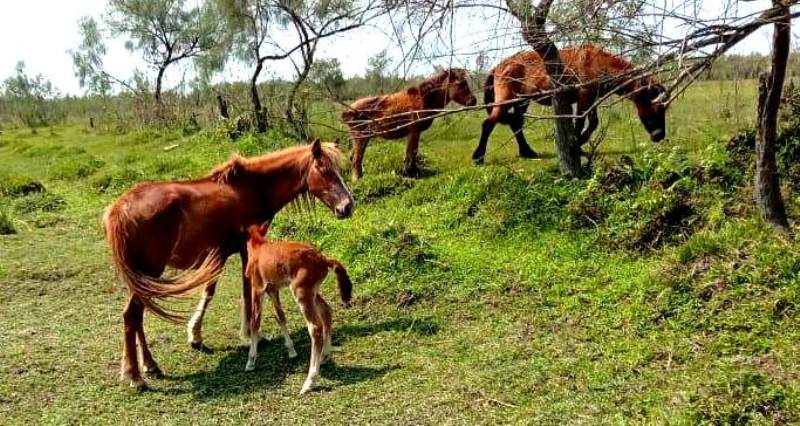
[(238, 165)]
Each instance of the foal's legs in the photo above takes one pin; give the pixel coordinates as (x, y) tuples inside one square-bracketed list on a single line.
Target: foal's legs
[(194, 328), (412, 150), (132, 316), (280, 317), (244, 331), (305, 296), (257, 297), (327, 322)]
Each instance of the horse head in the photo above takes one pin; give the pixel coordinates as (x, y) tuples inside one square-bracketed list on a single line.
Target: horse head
[(324, 181), (651, 104), (458, 88)]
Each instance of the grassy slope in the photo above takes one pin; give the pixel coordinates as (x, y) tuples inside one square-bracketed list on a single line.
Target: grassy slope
[(474, 302)]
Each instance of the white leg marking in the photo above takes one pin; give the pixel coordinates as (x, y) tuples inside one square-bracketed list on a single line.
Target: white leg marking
[(194, 328), (253, 354)]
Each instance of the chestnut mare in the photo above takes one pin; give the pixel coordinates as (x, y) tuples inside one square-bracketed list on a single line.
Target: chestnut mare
[(599, 72), (273, 265), (196, 225), (406, 113)]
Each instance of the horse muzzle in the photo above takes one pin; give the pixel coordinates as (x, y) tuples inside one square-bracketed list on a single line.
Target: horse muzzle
[(344, 209), (657, 135)]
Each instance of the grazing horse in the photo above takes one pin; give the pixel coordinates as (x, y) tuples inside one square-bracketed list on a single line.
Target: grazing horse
[(595, 71), (273, 265), (196, 225), (406, 113)]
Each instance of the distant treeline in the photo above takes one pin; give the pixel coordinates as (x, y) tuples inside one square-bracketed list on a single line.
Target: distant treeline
[(746, 67)]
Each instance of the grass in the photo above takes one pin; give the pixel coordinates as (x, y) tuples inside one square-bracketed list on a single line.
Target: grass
[(477, 297)]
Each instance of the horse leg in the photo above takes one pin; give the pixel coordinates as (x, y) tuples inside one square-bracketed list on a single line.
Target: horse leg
[(280, 317), (590, 128), (305, 296), (486, 130), (194, 328), (150, 366), (516, 123), (412, 149), (586, 108), (357, 157), (132, 316), (244, 331), (327, 322), (257, 297)]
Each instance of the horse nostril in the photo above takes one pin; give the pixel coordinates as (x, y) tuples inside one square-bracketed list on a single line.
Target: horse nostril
[(344, 210)]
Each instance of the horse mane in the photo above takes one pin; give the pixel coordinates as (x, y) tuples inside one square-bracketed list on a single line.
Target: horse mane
[(436, 81), (238, 166)]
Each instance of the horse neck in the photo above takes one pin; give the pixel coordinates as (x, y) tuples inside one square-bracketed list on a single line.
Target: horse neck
[(433, 94), (270, 187)]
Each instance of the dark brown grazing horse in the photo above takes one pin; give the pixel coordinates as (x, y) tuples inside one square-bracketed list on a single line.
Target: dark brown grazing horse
[(404, 114), (196, 225), (598, 73), (273, 265)]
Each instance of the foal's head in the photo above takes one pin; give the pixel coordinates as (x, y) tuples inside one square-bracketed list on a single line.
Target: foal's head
[(651, 104), (325, 182)]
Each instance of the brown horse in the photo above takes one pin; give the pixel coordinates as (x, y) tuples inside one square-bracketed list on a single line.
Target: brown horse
[(597, 74), (404, 114), (196, 225), (273, 265)]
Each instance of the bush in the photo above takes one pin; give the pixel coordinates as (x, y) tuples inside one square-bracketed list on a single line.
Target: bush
[(6, 224), (39, 202), (13, 185)]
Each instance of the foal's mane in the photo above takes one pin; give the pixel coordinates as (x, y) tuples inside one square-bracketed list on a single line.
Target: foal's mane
[(297, 157)]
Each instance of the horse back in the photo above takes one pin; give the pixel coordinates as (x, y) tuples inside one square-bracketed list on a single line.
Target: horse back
[(386, 116)]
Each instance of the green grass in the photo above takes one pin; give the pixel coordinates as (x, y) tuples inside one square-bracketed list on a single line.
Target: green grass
[(477, 298)]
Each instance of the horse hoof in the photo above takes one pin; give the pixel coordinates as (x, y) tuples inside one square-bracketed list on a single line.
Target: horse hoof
[(139, 385), (292, 353), (305, 389), (250, 366), (155, 373), (478, 161), (200, 347), (531, 155)]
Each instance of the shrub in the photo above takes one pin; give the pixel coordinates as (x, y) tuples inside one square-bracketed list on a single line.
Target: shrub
[(13, 185), (6, 224)]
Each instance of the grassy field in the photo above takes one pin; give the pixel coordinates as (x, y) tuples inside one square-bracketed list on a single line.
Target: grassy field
[(477, 298)]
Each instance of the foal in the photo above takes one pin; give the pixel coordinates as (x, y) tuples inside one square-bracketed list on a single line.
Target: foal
[(406, 113), (273, 265)]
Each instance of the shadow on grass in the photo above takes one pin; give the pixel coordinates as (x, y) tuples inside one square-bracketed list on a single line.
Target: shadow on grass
[(273, 365)]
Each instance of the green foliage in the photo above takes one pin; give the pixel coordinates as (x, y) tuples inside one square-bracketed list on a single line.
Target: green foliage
[(31, 99), (6, 223), (14, 185)]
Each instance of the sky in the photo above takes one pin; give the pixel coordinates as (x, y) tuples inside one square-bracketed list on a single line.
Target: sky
[(41, 32)]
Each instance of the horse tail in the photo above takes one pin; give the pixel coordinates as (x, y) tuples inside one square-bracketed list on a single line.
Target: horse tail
[(150, 289), (342, 281), (488, 92)]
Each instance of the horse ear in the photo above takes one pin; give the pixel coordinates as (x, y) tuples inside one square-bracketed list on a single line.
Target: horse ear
[(316, 148), (264, 227)]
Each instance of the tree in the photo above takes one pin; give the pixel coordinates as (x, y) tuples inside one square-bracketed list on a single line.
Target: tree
[(767, 180), (31, 98), (247, 26), (378, 69), (533, 20), (327, 75), (165, 32)]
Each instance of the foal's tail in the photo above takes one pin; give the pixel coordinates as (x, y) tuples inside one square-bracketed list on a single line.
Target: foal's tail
[(342, 281), (148, 288)]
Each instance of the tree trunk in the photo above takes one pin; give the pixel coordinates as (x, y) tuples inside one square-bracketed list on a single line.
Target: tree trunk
[(767, 180), (262, 124), (159, 80), (299, 125), (223, 106), (533, 20)]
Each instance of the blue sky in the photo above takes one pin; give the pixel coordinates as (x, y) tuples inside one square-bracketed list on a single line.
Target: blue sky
[(40, 32)]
